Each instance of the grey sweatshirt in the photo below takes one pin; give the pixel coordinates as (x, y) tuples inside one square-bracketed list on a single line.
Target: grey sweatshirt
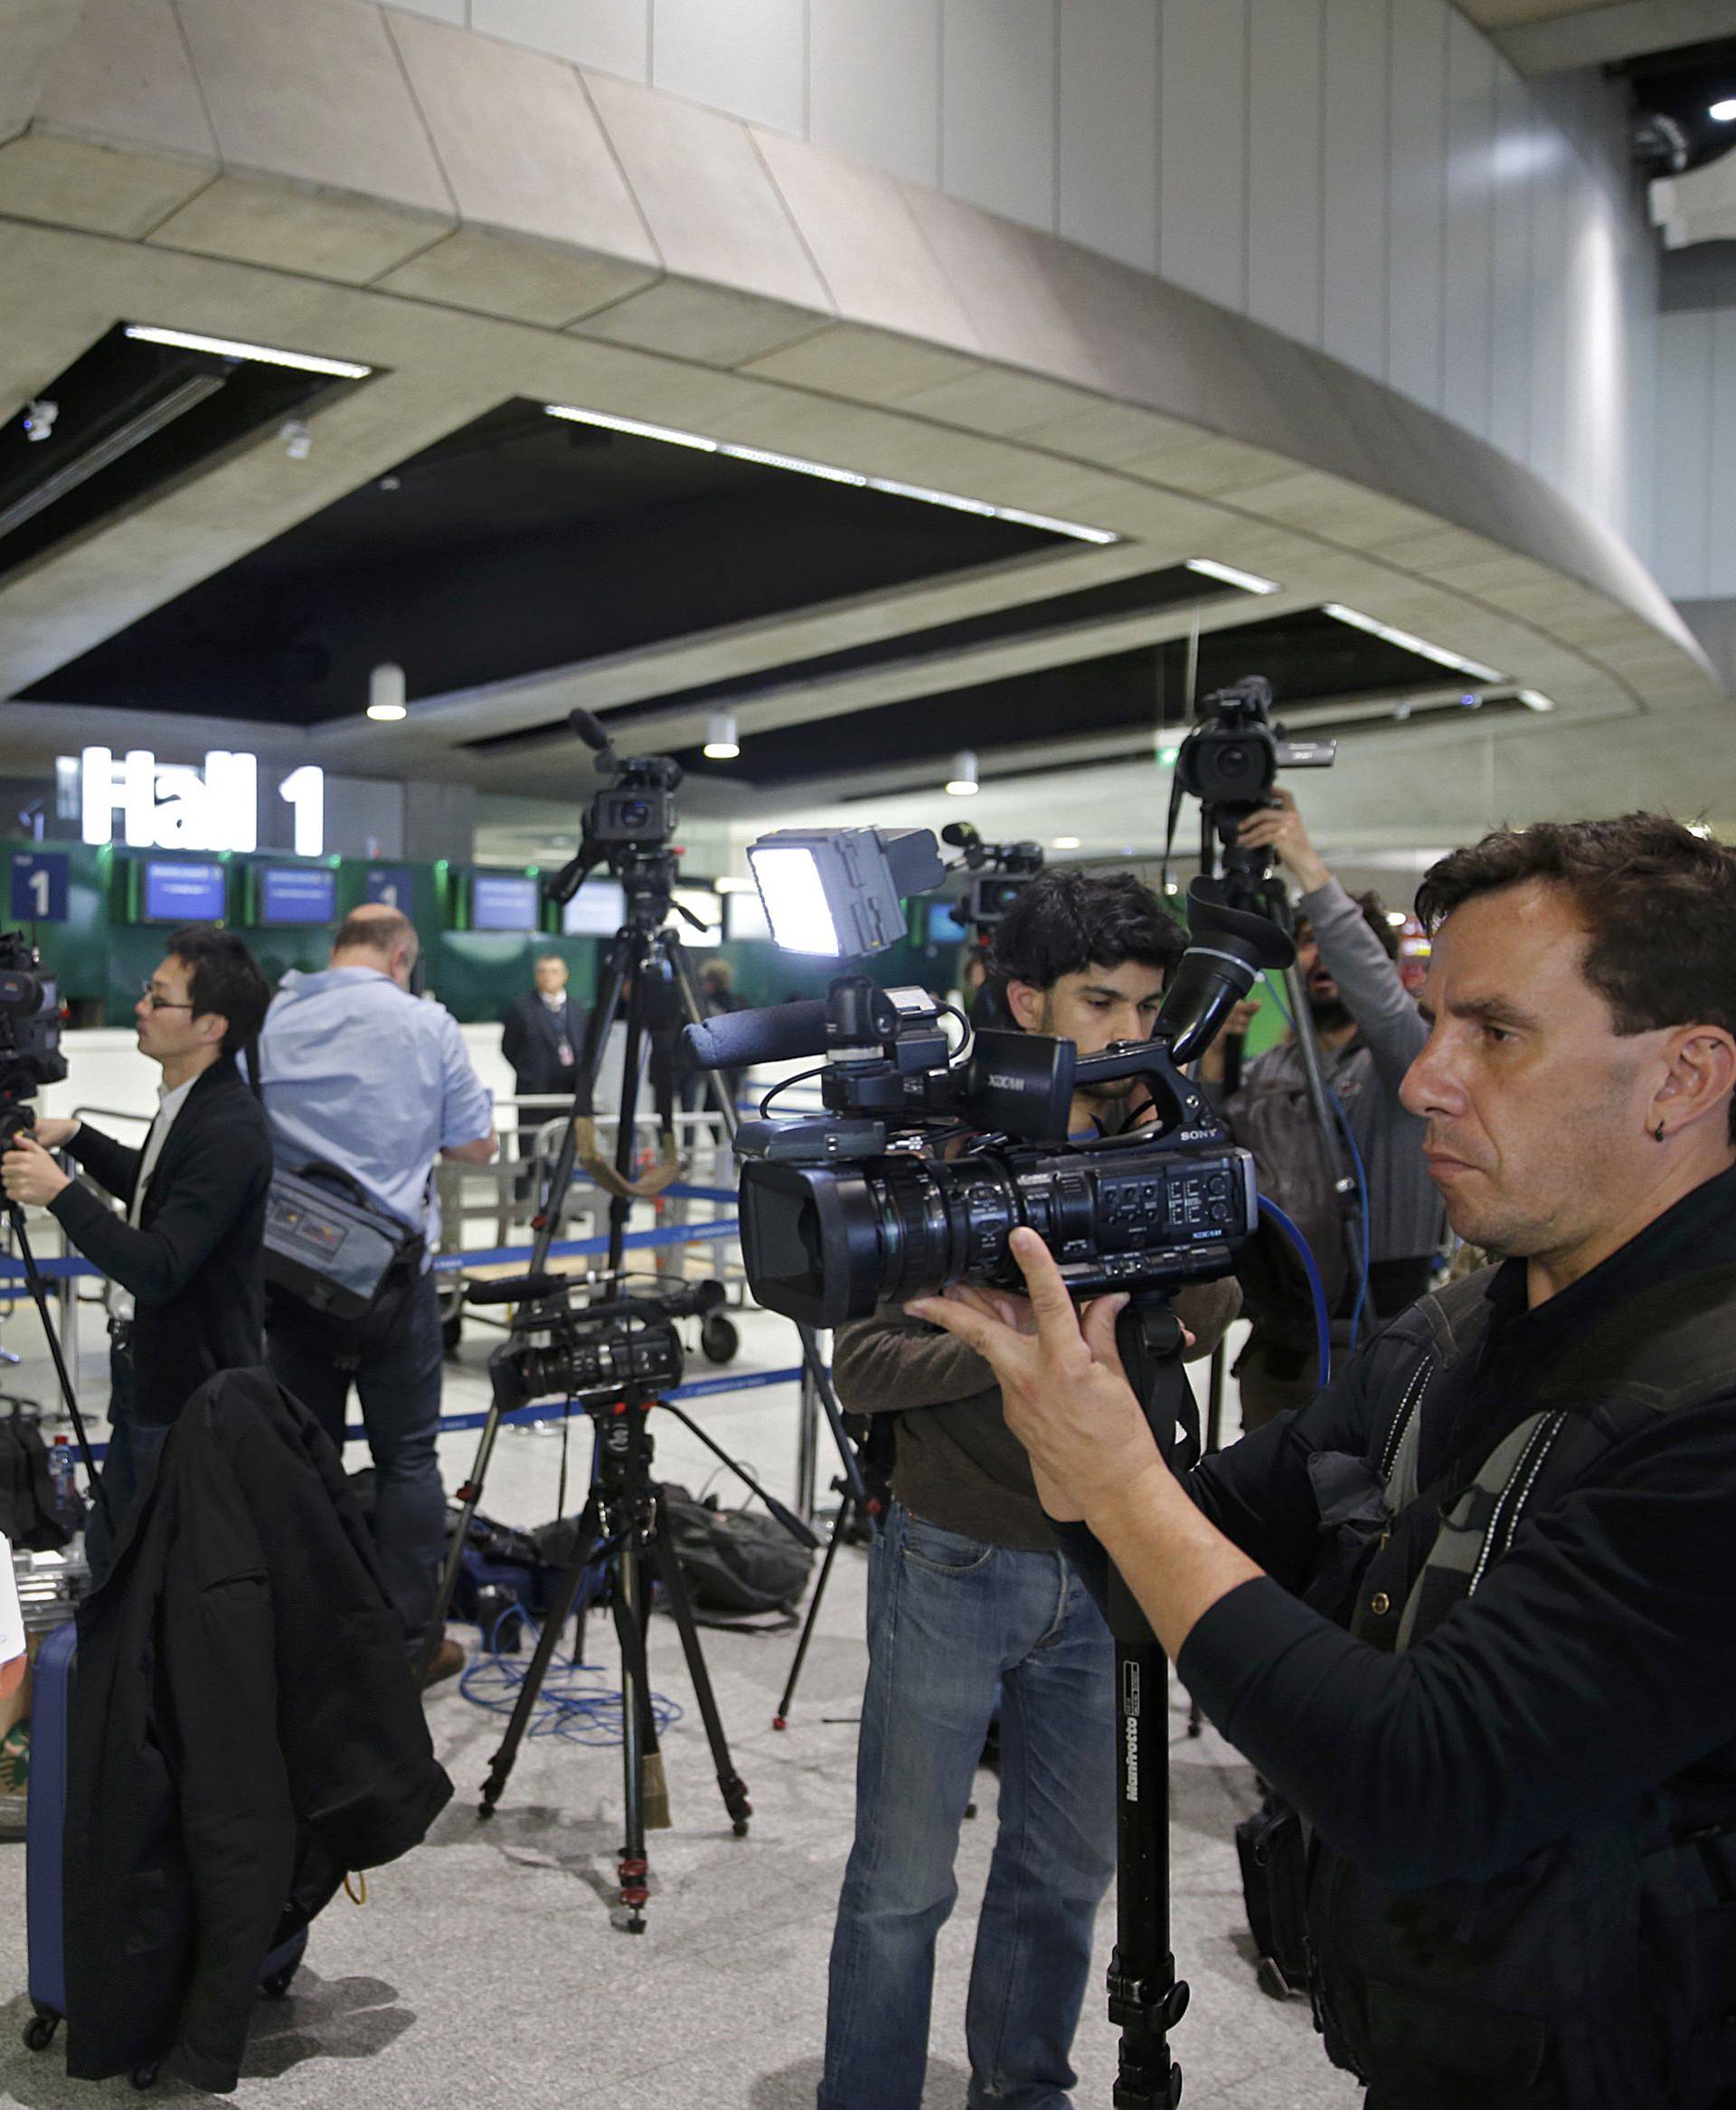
[(1406, 1220)]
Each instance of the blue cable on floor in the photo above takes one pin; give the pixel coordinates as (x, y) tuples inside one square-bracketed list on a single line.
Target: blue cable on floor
[(575, 1713)]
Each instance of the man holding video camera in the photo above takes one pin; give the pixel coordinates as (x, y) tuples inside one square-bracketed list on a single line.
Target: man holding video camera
[(361, 1076), (1469, 1611), (1368, 1032), (184, 1259), (970, 1606)]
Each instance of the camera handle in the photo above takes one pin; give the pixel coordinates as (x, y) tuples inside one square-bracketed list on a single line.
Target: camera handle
[(1146, 1999)]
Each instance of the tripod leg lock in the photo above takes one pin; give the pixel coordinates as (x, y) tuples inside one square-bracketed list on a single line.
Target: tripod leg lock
[(1155, 2005)]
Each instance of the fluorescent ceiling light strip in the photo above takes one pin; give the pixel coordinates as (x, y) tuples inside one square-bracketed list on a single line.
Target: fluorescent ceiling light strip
[(791, 461), (1409, 643), (1053, 527), (638, 427), (1534, 700), (921, 491), (261, 354), (831, 473), (1231, 575)]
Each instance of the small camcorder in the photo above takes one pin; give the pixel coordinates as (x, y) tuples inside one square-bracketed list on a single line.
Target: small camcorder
[(925, 1160), (30, 1031), (591, 1355)]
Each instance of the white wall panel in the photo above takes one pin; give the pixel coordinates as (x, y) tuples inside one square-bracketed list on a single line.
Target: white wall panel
[(1721, 459), (1513, 166), (1417, 220), (1552, 268), (1109, 127), (613, 35), (1355, 233), (997, 106), (1686, 391), (874, 84), (1203, 148), (1471, 226), (1286, 50), (750, 58)]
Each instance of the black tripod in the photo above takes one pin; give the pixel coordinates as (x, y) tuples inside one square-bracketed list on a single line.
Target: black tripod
[(1146, 1999), (38, 1296), (625, 1525)]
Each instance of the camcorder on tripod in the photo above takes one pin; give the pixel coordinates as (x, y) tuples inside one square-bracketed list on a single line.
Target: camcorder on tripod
[(1000, 873), (917, 1173), (616, 1360)]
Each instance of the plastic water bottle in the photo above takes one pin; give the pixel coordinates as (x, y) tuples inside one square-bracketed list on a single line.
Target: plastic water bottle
[(60, 1464)]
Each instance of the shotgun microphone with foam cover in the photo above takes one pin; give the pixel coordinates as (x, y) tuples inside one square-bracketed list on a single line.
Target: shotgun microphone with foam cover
[(736, 1040)]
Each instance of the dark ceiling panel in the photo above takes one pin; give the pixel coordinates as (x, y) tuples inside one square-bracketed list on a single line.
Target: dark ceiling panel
[(1306, 657), (129, 421), (521, 543), (1148, 593)]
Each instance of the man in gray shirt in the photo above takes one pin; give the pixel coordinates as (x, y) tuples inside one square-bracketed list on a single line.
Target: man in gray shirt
[(358, 1074), (1369, 1033)]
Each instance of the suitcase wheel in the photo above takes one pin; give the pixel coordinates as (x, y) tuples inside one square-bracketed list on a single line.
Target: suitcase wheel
[(145, 2077), (38, 2031), (719, 1339)]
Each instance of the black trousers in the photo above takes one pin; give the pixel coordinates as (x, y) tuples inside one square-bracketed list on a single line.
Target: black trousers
[(393, 1360)]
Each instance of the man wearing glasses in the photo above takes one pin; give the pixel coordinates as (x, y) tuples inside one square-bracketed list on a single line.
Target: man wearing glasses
[(184, 1257)]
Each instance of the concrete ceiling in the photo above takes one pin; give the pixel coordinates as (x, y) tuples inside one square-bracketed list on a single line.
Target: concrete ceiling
[(671, 265)]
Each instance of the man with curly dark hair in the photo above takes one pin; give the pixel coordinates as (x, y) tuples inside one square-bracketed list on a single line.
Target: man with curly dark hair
[(971, 1606)]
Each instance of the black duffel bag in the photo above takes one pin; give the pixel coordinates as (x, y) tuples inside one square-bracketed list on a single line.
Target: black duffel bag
[(1274, 1854), (735, 1561)]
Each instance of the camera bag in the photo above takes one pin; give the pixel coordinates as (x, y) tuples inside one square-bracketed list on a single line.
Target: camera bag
[(1273, 1851), (31, 1515), (329, 1245), (732, 1561)]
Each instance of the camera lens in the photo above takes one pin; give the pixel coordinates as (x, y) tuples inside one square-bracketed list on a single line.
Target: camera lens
[(635, 812)]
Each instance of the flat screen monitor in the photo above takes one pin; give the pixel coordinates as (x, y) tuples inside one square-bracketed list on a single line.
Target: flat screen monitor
[(598, 910), (176, 892), (505, 901), (298, 893), (744, 916)]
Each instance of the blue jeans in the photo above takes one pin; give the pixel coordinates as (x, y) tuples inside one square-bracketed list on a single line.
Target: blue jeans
[(952, 1624), (128, 1468), (393, 1360)]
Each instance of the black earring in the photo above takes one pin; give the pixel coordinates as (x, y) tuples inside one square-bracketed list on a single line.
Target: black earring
[(1658, 1133)]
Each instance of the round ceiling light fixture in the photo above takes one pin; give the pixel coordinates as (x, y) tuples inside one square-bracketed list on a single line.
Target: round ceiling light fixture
[(721, 742), (386, 702), (962, 784)]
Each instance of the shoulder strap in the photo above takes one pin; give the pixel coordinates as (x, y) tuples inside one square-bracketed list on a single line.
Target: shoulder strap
[(1673, 1345)]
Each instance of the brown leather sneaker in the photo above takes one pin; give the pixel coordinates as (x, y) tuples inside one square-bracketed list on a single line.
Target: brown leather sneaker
[(449, 1661)]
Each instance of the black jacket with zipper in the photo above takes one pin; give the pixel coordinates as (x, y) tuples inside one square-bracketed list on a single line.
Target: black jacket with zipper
[(1522, 1888), (192, 1261), (244, 1728)]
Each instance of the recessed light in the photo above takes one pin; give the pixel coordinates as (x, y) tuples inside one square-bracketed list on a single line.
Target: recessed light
[(261, 354), (1724, 112), (1066, 842), (1409, 642), (1233, 575), (832, 473)]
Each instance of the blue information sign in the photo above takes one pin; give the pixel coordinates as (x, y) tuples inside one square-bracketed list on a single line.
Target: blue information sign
[(504, 901), (185, 894), (298, 893), (39, 884), (392, 884)]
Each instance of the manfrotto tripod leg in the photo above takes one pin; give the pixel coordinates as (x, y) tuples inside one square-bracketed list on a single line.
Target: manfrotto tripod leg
[(584, 1553), (1146, 1999), (39, 1294), (730, 1786), (627, 1600), (840, 1531)]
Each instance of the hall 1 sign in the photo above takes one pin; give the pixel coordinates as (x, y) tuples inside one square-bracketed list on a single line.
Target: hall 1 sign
[(174, 806)]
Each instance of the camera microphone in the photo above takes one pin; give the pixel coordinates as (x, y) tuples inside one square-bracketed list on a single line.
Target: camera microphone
[(960, 834), (736, 1040)]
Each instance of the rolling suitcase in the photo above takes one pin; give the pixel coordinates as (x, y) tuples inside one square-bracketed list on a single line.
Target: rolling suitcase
[(45, 1820)]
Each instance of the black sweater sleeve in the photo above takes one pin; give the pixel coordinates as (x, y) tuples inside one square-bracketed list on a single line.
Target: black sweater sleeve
[(113, 1166), (1597, 1658), (221, 1174)]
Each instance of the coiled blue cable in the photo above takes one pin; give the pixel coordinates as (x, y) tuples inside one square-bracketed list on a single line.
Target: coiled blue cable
[(575, 1713)]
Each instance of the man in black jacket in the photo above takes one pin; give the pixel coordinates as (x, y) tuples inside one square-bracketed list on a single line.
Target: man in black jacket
[(1469, 1611), (185, 1254)]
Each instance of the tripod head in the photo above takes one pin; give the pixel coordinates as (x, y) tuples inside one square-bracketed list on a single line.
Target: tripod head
[(628, 826)]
